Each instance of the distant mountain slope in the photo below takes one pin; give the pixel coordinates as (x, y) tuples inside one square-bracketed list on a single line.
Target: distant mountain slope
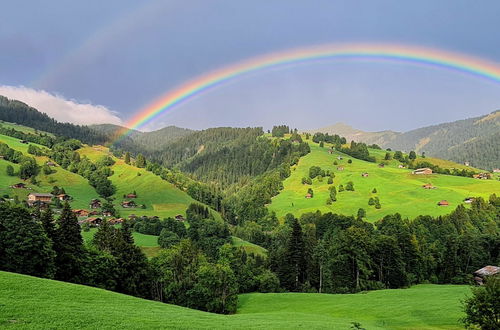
[(352, 134), (475, 140)]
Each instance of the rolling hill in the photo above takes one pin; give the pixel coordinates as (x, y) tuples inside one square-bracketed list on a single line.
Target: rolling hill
[(397, 188), (30, 302)]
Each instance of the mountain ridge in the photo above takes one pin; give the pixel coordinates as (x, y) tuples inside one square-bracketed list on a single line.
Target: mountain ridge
[(471, 140)]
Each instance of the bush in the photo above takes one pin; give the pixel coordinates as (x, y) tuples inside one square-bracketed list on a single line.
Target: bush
[(268, 282), (483, 308)]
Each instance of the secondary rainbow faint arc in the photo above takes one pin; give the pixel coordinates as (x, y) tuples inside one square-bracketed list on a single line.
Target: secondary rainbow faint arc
[(390, 52)]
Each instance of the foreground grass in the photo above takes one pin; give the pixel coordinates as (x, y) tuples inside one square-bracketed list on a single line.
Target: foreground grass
[(398, 189), (32, 303)]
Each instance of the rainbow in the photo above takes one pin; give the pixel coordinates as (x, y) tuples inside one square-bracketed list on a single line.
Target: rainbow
[(388, 52)]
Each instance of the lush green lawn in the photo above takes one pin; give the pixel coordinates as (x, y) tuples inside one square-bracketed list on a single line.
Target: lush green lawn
[(28, 302), (398, 189)]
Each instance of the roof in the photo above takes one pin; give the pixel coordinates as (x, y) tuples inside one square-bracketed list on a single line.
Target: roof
[(41, 195), (423, 169), (487, 271)]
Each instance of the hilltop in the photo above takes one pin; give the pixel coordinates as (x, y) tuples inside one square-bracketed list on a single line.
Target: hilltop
[(29, 302), (397, 188)]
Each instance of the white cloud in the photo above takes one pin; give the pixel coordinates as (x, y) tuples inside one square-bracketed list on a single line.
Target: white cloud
[(60, 108)]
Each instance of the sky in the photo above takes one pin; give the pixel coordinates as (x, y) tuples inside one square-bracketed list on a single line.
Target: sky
[(103, 61)]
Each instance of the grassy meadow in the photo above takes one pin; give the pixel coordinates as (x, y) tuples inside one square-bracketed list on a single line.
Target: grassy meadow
[(34, 303), (160, 197), (74, 185), (397, 189)]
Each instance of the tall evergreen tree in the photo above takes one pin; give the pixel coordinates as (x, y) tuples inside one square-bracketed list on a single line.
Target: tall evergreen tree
[(24, 246), (47, 220), (68, 244), (127, 157), (296, 265)]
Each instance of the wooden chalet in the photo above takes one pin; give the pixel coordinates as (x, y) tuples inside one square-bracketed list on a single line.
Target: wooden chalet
[(340, 168), (128, 204), (130, 196), (93, 222), (39, 199), (19, 185), (443, 203), (180, 218), (381, 165), (428, 186), (482, 274), (496, 170), (308, 196), (364, 175), (107, 213), (95, 203), (401, 166), (422, 171), (339, 158), (23, 141), (81, 213)]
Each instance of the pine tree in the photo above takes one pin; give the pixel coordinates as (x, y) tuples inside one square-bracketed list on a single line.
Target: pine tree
[(127, 157), (48, 224), (140, 161), (24, 246), (68, 244), (296, 265)]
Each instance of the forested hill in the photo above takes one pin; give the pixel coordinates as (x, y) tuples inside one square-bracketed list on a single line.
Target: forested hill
[(137, 141), (20, 113), (226, 155), (473, 140)]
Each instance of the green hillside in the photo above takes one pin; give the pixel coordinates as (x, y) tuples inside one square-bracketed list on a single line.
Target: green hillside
[(160, 197), (34, 303), (398, 189), (75, 185)]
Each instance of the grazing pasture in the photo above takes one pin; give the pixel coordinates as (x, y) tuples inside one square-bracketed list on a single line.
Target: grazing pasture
[(397, 188), (30, 302)]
